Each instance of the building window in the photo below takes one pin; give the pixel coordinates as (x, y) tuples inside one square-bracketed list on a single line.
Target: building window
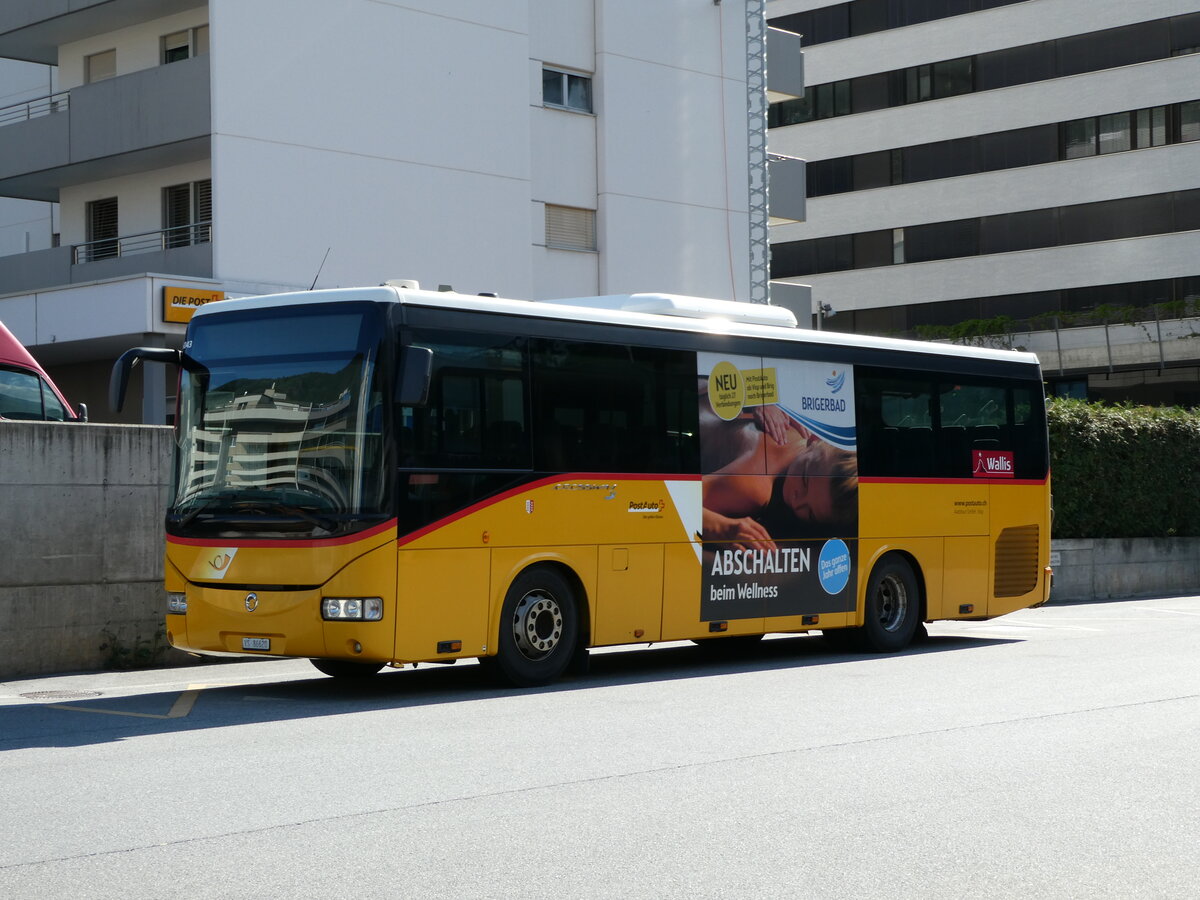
[(185, 44), (101, 230), (187, 213), (566, 90), (570, 228), (99, 66)]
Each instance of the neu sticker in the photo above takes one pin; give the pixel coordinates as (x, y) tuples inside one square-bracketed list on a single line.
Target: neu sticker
[(993, 463)]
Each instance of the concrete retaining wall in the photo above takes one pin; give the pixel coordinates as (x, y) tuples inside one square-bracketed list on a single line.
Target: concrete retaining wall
[(81, 545), (1095, 569)]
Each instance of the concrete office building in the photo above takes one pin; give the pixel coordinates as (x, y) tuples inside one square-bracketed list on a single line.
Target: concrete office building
[(1026, 169), (162, 153)]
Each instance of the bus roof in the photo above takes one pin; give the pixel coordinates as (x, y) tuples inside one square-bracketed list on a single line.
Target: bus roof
[(671, 312)]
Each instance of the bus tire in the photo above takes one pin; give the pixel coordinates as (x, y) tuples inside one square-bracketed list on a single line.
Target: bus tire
[(345, 668), (539, 628), (893, 606)]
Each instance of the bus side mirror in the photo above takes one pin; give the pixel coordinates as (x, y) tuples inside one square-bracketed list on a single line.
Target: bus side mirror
[(119, 380), (81, 411), (412, 386)]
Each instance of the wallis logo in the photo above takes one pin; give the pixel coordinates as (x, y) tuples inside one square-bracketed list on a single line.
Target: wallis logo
[(993, 464)]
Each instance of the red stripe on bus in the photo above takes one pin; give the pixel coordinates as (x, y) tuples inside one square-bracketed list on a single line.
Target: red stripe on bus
[(881, 480), (277, 542), (533, 485)]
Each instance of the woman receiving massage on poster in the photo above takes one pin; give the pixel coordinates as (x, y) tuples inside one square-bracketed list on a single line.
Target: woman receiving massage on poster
[(784, 483)]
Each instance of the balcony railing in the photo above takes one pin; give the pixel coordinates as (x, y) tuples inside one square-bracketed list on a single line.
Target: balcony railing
[(146, 242), (35, 109)]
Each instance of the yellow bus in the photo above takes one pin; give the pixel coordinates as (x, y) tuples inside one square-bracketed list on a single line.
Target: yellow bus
[(387, 476)]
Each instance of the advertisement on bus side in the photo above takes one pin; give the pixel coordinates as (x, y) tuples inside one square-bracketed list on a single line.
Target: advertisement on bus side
[(780, 487)]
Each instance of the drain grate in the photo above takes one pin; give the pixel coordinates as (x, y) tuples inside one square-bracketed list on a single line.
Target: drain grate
[(60, 695)]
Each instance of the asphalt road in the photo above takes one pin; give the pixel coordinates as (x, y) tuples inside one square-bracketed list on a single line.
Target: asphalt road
[(1052, 753)]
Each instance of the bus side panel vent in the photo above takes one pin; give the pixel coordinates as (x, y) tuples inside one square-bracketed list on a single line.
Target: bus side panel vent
[(1016, 561)]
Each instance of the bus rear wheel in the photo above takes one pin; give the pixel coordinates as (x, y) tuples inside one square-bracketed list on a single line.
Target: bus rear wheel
[(345, 668), (539, 628), (893, 606)]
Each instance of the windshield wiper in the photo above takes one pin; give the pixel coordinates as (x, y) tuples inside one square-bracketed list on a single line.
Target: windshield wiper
[(260, 503)]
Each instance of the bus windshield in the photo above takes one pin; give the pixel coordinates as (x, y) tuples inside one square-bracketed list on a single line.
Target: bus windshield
[(280, 424)]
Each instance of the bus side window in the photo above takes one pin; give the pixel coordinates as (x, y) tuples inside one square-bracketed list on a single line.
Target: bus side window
[(613, 408)]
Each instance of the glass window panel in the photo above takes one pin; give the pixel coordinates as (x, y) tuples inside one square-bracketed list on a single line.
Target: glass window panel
[(1185, 34), (552, 88), (20, 395), (953, 77), (579, 93), (1113, 47), (1187, 210), (941, 240), (1114, 133), (872, 170), (793, 258), (54, 411), (1079, 138), (175, 47), (791, 112), (918, 84), (872, 248), (1189, 121), (868, 16), (1022, 147), (1151, 127), (870, 92), (841, 98), (898, 246), (1015, 65), (1018, 231)]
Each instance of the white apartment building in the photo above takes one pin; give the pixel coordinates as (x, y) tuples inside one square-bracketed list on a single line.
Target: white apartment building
[(1025, 170), (159, 152)]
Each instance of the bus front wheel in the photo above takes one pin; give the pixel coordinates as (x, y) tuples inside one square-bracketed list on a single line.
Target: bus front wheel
[(893, 606), (539, 628)]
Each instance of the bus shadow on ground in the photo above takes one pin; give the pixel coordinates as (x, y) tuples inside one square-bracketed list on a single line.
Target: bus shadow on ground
[(97, 720)]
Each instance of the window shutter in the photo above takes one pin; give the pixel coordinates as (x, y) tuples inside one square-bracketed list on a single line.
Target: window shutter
[(570, 228)]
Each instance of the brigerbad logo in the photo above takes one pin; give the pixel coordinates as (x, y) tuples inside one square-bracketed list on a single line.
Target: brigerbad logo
[(836, 381), (993, 464)]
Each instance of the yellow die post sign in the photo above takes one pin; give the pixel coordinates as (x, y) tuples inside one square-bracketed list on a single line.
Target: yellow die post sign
[(180, 302)]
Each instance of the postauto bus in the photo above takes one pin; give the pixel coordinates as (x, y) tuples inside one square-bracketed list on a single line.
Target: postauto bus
[(385, 476)]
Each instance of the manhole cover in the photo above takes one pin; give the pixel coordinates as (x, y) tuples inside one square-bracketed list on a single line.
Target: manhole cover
[(60, 695)]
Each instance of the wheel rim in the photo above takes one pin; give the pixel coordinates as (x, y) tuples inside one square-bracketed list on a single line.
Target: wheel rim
[(537, 624), (891, 602)]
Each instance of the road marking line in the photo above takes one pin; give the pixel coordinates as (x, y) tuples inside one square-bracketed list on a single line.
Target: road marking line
[(179, 709)]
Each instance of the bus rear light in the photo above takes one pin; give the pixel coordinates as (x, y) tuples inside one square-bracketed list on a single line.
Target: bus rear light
[(353, 609), (177, 604)]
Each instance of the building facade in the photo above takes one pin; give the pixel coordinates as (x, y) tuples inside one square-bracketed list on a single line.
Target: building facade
[(1015, 172), (155, 155)]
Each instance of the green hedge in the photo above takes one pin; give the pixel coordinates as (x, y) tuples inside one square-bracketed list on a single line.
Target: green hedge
[(1124, 471)]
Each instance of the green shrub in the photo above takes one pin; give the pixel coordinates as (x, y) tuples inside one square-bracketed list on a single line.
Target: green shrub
[(1124, 471)]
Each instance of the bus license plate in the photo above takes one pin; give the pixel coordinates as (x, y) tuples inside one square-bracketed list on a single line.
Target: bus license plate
[(256, 643)]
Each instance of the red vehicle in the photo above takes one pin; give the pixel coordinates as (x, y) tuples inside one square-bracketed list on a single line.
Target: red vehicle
[(26, 391)]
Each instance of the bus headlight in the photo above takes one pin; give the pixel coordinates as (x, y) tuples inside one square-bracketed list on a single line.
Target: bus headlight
[(355, 609), (177, 604)]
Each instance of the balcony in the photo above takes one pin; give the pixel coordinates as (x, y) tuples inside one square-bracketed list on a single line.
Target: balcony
[(186, 250), (145, 120), (787, 184), (33, 30), (785, 65)]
